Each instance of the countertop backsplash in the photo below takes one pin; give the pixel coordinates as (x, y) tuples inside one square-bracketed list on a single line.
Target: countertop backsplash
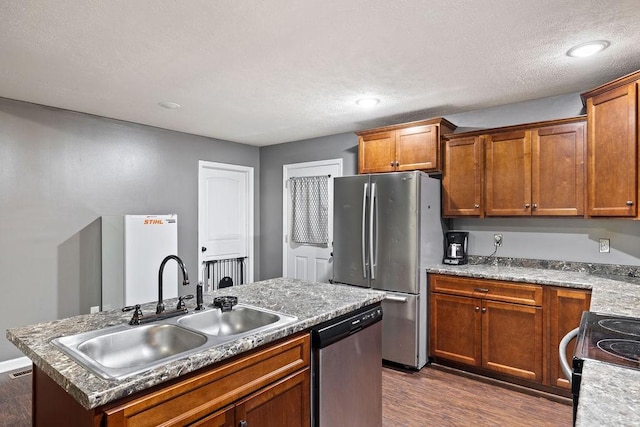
[(628, 271)]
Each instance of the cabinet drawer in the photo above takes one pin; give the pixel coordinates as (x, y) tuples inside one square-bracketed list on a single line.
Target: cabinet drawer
[(202, 394), (495, 290)]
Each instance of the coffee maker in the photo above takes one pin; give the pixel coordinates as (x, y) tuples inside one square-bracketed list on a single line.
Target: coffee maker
[(455, 247)]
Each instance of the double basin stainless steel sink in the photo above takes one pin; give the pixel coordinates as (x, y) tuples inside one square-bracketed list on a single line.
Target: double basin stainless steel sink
[(120, 351)]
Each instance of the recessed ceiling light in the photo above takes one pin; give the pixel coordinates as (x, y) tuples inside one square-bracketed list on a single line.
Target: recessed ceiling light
[(588, 48), (169, 105), (367, 102)]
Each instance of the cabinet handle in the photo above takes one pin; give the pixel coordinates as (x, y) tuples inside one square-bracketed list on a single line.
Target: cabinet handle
[(629, 203), (484, 309), (476, 206), (535, 206), (481, 290), (526, 206), (397, 163), (391, 164), (242, 423), (477, 308)]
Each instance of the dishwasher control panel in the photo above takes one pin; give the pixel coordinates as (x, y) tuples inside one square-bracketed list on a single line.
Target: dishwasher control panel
[(340, 327)]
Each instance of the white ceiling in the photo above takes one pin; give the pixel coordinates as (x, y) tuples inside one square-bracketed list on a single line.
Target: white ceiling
[(265, 72)]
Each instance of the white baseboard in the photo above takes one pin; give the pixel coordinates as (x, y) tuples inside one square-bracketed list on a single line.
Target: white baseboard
[(13, 364)]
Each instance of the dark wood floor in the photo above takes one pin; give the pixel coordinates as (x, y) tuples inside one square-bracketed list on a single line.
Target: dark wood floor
[(443, 398), (431, 397), (15, 400)]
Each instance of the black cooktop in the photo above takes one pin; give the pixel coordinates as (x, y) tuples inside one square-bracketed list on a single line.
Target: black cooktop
[(608, 338)]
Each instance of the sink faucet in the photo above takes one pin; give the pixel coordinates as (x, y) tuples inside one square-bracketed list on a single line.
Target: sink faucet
[(185, 279)]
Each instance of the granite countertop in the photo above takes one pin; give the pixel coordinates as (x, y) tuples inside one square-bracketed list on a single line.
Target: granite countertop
[(609, 394), (311, 303)]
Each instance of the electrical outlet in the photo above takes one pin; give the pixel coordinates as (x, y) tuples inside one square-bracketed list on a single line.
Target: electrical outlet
[(94, 309), (497, 240), (604, 246)]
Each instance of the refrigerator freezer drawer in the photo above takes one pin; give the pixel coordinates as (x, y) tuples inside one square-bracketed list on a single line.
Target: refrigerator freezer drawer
[(403, 330)]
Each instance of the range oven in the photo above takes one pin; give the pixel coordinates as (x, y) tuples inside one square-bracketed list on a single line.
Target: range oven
[(606, 338)]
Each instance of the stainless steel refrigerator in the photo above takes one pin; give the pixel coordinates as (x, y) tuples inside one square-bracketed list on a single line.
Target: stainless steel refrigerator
[(387, 229)]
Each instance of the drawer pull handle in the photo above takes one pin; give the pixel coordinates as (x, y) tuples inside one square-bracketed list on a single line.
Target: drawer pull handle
[(629, 203), (485, 290)]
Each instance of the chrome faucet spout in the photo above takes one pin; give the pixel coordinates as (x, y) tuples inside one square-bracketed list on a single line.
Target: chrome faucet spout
[(185, 279)]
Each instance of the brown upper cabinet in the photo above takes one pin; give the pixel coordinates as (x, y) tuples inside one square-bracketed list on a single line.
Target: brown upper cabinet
[(508, 173), (405, 147), (462, 177), (612, 151), (538, 172), (535, 169)]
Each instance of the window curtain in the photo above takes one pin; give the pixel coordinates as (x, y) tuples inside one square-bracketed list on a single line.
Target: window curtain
[(310, 209)]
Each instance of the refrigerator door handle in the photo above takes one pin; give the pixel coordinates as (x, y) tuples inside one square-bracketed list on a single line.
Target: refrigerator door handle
[(395, 298), (364, 230), (373, 253)]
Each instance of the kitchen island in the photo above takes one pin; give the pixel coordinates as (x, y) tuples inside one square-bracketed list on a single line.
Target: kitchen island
[(311, 303), (609, 394)]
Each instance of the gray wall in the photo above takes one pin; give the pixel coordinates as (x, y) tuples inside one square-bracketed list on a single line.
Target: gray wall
[(272, 158), (557, 239), (60, 171)]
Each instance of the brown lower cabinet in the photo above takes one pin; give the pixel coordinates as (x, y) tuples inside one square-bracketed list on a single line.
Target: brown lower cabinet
[(269, 387), (565, 307), (279, 405), (506, 330), (487, 324)]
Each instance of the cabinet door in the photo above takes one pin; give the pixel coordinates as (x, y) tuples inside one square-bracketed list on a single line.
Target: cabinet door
[(377, 153), (512, 339), (557, 170), (285, 403), (565, 311), (508, 174), (462, 178), (612, 171), (417, 148), (455, 328)]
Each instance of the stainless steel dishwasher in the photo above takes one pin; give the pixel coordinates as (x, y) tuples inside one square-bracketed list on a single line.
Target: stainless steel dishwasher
[(347, 370)]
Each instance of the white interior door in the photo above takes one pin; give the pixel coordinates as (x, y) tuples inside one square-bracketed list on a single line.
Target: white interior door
[(306, 261), (225, 213)]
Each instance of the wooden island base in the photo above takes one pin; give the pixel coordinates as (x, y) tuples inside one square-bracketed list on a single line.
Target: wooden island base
[(269, 386)]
